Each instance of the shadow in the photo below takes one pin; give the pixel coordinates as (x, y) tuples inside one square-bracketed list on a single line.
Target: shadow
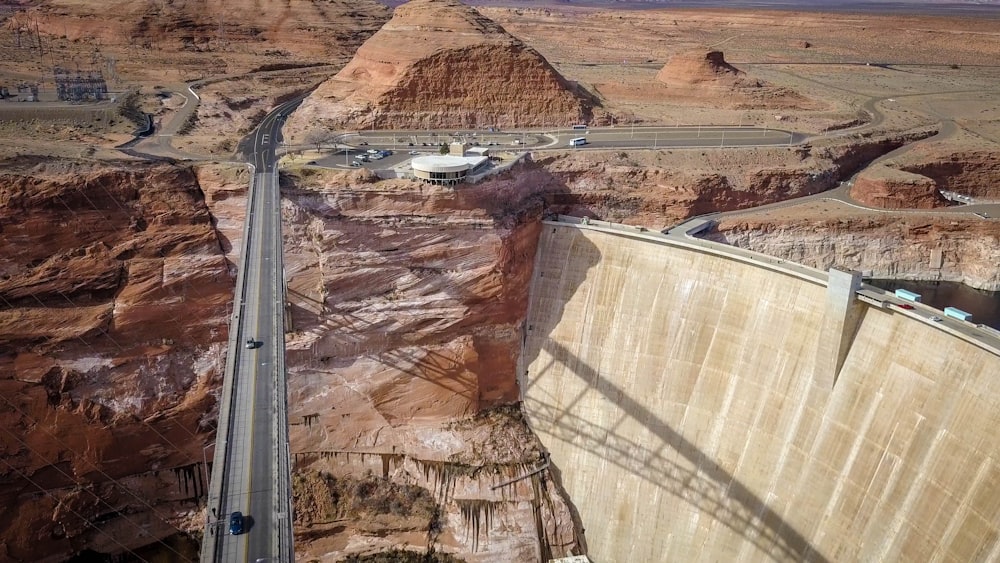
[(367, 312), (673, 463)]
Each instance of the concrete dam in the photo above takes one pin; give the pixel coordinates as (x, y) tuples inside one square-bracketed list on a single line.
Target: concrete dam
[(706, 404)]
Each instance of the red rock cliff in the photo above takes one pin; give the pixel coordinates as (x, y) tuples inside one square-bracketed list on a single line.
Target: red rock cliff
[(439, 63), (407, 307), (113, 298)]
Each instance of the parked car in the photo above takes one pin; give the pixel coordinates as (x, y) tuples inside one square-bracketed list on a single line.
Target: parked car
[(236, 523)]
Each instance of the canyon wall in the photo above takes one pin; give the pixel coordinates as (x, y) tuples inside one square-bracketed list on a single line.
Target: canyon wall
[(114, 289), (406, 302), (917, 246), (675, 391)]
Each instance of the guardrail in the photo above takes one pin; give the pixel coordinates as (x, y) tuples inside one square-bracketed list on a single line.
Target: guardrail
[(282, 491), (220, 459)]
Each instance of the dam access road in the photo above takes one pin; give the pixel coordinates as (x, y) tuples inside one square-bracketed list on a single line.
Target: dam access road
[(251, 472)]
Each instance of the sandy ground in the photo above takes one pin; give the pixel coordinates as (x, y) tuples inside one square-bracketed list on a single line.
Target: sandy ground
[(927, 69)]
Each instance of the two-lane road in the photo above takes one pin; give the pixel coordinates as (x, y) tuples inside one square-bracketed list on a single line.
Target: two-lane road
[(251, 473)]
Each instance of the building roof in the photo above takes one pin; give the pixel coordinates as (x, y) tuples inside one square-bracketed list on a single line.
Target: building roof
[(446, 163)]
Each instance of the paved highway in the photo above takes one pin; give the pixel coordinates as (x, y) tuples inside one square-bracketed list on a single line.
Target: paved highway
[(625, 137), (251, 473)]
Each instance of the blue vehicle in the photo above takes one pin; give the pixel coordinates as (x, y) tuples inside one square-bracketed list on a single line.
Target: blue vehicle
[(236, 523)]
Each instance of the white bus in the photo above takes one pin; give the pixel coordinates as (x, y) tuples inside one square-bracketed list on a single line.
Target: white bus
[(579, 141)]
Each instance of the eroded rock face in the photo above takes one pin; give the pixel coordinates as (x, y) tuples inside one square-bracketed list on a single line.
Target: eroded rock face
[(439, 63), (113, 324), (407, 307), (920, 247), (888, 188), (700, 74), (695, 67), (661, 189), (972, 173)]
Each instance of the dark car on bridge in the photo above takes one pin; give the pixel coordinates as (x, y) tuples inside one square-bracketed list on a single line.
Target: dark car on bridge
[(236, 523)]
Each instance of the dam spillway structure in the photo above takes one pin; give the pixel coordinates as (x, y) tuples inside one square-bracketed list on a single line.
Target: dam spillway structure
[(703, 403)]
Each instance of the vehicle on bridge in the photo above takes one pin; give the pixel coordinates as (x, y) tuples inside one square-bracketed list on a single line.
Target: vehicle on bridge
[(578, 141), (236, 523), (252, 343)]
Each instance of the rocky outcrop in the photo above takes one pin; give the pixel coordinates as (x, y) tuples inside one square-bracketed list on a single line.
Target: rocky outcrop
[(407, 303), (888, 188), (705, 76), (699, 67), (934, 247), (113, 321), (973, 173), (661, 189), (439, 63)]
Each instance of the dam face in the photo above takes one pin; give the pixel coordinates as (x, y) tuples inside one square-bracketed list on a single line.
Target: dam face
[(682, 397)]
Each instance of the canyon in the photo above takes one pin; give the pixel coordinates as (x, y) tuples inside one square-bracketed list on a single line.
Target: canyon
[(409, 305)]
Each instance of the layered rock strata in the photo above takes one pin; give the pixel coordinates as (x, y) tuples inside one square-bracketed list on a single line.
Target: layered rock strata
[(114, 289), (705, 75), (936, 247), (888, 188), (406, 305), (438, 63)]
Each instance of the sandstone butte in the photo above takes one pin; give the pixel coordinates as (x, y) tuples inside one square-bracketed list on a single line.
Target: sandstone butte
[(705, 75), (440, 64)]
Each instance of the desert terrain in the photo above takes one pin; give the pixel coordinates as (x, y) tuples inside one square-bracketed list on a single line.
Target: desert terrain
[(118, 253)]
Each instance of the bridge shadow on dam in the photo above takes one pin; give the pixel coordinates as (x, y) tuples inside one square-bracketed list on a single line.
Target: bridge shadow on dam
[(702, 482), (672, 463)]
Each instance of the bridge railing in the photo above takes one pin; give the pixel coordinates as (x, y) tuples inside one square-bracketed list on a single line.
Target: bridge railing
[(213, 505), (283, 486)]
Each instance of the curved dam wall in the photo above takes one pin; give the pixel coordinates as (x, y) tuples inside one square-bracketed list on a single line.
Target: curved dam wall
[(682, 399)]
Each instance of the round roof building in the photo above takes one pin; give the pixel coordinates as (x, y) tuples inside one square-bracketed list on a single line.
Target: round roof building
[(444, 169)]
